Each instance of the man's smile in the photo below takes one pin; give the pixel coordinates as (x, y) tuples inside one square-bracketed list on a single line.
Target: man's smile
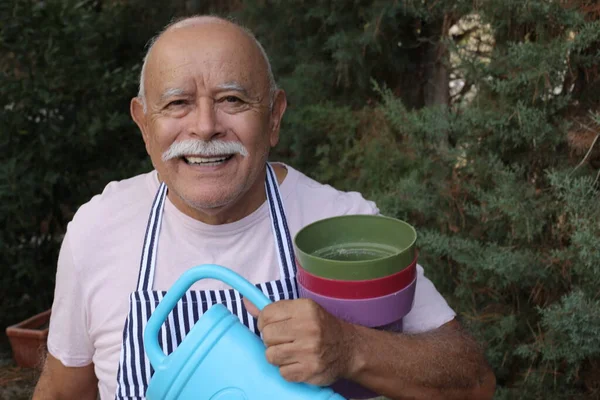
[(207, 161)]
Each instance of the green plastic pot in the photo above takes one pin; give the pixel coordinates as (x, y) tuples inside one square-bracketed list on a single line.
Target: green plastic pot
[(355, 247)]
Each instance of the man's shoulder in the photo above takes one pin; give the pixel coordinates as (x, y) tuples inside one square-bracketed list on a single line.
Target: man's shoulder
[(119, 200), (327, 200)]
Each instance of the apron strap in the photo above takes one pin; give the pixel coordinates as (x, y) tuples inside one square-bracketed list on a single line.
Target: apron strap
[(148, 260), (281, 232)]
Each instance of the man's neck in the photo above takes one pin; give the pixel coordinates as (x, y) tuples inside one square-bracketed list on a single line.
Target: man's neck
[(245, 206)]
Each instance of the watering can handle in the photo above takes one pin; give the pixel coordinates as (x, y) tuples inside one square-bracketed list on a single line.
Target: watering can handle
[(185, 281)]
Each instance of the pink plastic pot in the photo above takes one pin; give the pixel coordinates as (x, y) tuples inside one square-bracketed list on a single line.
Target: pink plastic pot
[(363, 289), (373, 312)]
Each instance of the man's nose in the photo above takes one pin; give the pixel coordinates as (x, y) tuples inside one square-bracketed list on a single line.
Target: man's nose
[(206, 125)]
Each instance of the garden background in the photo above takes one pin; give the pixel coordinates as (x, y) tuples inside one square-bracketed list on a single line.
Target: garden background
[(476, 121)]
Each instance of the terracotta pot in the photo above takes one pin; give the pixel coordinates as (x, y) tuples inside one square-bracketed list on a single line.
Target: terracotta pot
[(28, 340)]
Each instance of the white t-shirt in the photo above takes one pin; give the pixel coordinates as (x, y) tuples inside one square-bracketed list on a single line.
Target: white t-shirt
[(100, 259)]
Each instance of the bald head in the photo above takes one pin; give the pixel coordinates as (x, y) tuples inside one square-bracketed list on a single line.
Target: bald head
[(223, 27)]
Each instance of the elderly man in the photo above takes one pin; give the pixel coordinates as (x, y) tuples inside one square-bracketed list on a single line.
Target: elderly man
[(209, 112)]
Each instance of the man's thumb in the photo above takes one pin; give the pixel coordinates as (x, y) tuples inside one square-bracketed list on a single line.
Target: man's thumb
[(252, 309)]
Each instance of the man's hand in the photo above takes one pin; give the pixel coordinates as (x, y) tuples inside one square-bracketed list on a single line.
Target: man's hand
[(306, 342), (310, 345)]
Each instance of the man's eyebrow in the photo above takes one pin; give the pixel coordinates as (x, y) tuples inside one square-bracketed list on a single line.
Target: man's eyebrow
[(171, 92), (233, 85)]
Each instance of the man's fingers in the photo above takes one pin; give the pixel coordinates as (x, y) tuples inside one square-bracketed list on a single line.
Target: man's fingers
[(252, 309), (298, 372), (272, 314), (277, 333), (278, 311), (293, 372), (281, 354)]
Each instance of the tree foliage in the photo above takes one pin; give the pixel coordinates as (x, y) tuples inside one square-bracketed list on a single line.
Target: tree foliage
[(67, 72)]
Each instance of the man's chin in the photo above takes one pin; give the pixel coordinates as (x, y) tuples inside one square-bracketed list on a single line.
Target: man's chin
[(206, 199), (207, 205)]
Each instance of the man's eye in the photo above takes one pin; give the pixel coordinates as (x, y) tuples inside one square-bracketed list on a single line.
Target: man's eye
[(231, 99), (176, 103)]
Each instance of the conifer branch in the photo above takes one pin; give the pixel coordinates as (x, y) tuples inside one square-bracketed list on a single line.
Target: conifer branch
[(587, 155)]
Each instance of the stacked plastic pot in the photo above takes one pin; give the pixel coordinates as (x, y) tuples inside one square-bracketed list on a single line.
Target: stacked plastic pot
[(360, 268)]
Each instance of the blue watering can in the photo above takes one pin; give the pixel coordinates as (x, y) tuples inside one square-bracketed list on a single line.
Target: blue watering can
[(219, 359)]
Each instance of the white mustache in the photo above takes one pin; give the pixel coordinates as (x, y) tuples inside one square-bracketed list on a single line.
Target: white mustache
[(203, 148)]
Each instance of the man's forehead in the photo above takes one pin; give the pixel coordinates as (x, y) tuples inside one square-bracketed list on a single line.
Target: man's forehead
[(191, 76), (188, 57)]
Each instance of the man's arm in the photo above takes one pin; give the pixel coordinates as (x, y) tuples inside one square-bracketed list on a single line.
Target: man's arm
[(442, 364), (310, 345), (58, 382)]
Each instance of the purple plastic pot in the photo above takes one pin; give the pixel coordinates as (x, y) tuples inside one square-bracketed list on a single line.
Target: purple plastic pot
[(373, 312)]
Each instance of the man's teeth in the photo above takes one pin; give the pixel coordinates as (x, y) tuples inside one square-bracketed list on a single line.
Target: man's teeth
[(206, 160)]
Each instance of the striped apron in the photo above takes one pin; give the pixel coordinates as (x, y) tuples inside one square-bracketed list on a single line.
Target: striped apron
[(134, 367)]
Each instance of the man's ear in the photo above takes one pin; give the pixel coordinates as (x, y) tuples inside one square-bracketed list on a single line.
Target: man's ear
[(136, 108), (279, 106)]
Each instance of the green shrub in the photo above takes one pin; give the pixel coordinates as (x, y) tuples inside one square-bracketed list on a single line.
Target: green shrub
[(68, 70)]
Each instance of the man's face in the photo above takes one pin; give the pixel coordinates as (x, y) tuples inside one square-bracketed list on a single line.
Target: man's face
[(209, 82)]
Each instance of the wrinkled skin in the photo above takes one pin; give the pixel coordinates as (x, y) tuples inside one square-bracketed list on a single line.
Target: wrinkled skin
[(207, 80)]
